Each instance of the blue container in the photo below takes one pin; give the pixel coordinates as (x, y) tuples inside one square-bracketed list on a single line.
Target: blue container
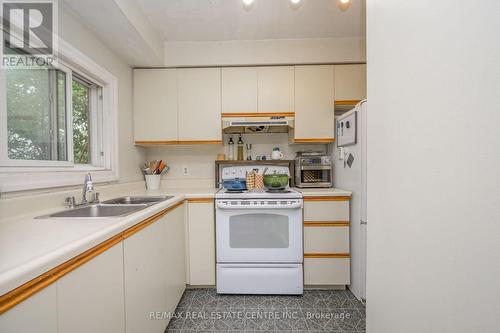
[(235, 184)]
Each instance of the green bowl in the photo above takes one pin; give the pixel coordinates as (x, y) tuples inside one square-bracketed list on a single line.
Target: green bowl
[(276, 181)]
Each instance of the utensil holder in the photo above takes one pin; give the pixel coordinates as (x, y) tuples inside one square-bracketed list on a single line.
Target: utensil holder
[(153, 182)]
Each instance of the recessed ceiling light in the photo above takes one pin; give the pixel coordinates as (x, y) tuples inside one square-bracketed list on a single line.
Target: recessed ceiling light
[(248, 4), (343, 4), (295, 3)]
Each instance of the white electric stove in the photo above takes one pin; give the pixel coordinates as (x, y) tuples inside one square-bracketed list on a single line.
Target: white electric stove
[(259, 239)]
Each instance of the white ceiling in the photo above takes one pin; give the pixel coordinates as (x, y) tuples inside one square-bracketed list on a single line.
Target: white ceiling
[(218, 20)]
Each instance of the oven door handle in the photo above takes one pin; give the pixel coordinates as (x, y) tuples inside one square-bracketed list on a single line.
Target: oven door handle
[(316, 167), (222, 205)]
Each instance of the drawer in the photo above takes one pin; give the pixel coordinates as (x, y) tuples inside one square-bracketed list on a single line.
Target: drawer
[(326, 271), (329, 239), (326, 210)]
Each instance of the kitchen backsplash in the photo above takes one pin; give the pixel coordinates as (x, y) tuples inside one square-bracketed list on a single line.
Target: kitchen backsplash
[(199, 160)]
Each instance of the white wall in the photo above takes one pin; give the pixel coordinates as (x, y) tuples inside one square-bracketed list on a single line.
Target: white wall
[(265, 52), (130, 156), (433, 166), (200, 160), (80, 37)]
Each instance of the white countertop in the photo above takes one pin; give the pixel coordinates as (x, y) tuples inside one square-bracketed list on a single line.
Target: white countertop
[(30, 247)]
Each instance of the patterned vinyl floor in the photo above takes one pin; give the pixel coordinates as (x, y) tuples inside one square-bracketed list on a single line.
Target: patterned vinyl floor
[(202, 310)]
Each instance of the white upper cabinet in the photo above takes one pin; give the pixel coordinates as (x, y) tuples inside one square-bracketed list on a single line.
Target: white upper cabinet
[(275, 89), (91, 298), (350, 82), (314, 108), (239, 90), (199, 104), (155, 104)]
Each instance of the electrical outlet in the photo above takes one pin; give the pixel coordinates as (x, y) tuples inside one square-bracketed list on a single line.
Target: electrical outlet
[(185, 171)]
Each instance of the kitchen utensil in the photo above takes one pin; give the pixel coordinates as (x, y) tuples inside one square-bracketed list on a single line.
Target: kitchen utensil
[(276, 181), (236, 184), (153, 182)]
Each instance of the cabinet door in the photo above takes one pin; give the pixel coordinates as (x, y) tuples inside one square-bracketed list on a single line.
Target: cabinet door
[(350, 82), (314, 110), (201, 243), (145, 270), (91, 298), (38, 314), (239, 90), (275, 89), (175, 257), (327, 271), (199, 104), (155, 104)]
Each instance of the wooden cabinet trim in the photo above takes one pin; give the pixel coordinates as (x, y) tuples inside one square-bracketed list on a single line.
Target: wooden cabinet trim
[(326, 255), (184, 142), (327, 198), (257, 114), (21, 293), (200, 200), (326, 223), (325, 140)]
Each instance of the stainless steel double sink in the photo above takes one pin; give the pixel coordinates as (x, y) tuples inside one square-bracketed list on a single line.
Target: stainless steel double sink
[(117, 207)]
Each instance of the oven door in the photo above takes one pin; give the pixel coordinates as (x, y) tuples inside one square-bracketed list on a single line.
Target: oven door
[(261, 231)]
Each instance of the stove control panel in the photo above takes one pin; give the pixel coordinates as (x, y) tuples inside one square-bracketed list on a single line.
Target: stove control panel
[(260, 204)]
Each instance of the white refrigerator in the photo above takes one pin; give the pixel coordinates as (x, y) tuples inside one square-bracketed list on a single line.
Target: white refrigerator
[(350, 174)]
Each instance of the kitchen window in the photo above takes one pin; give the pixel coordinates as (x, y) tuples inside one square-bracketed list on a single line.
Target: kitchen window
[(59, 118)]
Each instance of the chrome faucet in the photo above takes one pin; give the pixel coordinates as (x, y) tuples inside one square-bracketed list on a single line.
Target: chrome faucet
[(88, 186)]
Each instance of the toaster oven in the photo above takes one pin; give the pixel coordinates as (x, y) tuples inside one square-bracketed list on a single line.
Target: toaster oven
[(313, 169)]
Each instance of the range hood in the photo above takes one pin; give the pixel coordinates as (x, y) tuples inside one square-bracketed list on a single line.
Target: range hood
[(255, 125)]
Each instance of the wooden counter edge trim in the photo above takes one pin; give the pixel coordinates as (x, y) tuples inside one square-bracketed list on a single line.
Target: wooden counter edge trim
[(327, 255), (24, 291), (256, 114), (182, 142), (327, 198), (326, 223), (200, 200), (325, 140)]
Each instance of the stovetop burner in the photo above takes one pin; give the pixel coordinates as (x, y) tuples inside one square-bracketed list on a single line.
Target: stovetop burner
[(234, 191), (278, 191)]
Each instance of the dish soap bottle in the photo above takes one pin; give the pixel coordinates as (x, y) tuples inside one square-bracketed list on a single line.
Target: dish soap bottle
[(230, 150), (240, 149)]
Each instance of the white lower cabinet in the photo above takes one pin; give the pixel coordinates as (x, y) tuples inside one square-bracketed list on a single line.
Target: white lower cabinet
[(175, 258), (153, 282), (326, 241), (35, 314), (327, 271), (91, 298), (201, 225)]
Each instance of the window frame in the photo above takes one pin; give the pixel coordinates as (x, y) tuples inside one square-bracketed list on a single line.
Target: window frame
[(17, 175)]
